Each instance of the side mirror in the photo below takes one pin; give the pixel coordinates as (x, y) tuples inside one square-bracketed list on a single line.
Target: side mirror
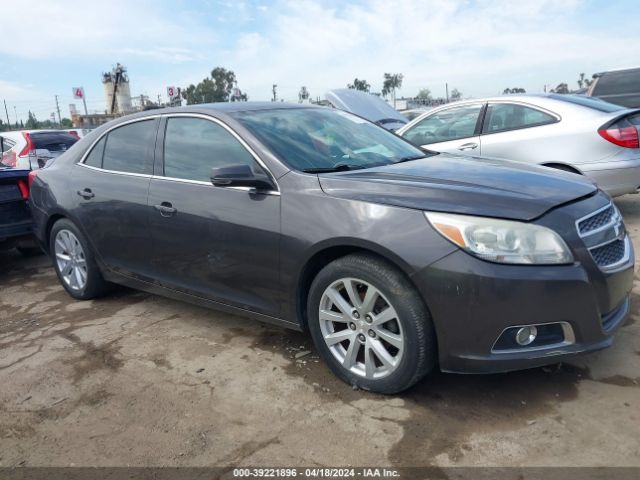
[(239, 176)]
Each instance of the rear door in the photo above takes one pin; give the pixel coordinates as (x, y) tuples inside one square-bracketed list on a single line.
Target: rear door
[(454, 129), (517, 132), (217, 243), (111, 188)]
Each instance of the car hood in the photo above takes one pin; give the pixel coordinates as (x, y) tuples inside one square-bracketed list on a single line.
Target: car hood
[(367, 106), (464, 185)]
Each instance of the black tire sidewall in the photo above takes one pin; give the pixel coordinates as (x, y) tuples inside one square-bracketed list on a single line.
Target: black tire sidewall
[(95, 284), (419, 340)]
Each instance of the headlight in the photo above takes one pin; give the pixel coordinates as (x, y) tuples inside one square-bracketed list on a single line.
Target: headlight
[(502, 241)]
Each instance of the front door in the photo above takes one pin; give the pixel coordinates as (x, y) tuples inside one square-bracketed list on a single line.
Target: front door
[(218, 243), (454, 129)]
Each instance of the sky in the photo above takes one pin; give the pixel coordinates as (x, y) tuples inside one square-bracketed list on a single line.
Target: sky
[(479, 47)]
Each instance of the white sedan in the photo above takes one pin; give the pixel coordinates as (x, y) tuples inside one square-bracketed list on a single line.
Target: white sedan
[(573, 133)]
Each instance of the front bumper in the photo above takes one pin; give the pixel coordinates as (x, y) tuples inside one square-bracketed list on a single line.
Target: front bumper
[(472, 302)]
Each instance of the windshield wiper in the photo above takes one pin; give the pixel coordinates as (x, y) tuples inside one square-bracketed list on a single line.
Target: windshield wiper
[(343, 167)]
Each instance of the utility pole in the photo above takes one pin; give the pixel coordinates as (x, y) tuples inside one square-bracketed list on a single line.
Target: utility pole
[(446, 86), (84, 102), (159, 100), (58, 109), (16, 114), (7, 112), (275, 96)]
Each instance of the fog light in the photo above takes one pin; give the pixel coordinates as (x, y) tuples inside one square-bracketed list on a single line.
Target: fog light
[(526, 335)]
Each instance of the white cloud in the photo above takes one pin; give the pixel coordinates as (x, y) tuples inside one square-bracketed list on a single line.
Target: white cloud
[(480, 47), (70, 28)]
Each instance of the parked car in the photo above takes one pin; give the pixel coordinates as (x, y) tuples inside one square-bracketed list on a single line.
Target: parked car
[(78, 132), (16, 226), (31, 149), (369, 106), (567, 132), (395, 260), (621, 87)]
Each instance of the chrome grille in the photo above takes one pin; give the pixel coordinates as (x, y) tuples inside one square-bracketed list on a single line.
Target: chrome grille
[(597, 221), (604, 235), (609, 254)]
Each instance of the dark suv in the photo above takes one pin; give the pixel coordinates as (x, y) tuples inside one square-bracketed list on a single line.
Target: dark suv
[(395, 259), (621, 87)]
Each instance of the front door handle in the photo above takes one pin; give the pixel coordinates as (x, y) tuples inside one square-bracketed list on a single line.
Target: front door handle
[(165, 209), (86, 193), (468, 146)]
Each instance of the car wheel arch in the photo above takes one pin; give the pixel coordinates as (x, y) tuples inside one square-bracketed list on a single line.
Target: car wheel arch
[(326, 254), (51, 221), (563, 166)]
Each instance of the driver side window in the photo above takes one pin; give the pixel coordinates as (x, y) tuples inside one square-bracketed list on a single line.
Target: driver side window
[(193, 146), (451, 124)]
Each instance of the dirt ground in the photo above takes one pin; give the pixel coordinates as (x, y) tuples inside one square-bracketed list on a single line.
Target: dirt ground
[(139, 380)]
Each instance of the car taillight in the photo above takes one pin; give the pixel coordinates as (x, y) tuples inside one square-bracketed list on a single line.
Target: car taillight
[(24, 189), (32, 176), (28, 147), (622, 135)]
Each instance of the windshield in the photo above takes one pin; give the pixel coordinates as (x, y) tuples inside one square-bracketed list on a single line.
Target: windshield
[(316, 139)]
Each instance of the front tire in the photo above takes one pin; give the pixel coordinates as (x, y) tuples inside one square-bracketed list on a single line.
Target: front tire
[(74, 262), (370, 325)]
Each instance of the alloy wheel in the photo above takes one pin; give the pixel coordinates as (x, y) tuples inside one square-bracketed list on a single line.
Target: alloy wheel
[(70, 259), (361, 328)]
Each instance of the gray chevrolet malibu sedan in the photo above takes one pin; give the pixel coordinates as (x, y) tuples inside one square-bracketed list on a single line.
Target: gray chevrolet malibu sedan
[(395, 259)]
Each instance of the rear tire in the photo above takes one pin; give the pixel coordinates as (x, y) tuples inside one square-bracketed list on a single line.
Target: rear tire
[(74, 262), (370, 325)]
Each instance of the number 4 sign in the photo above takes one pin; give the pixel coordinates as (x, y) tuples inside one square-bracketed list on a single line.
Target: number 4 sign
[(78, 92)]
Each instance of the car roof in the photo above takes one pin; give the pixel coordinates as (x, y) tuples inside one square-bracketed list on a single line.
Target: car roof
[(229, 107), (619, 70)]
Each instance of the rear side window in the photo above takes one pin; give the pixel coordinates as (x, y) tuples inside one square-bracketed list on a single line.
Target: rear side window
[(128, 148), (53, 141), (501, 117), (616, 83), (450, 124), (94, 159), (7, 144), (193, 146)]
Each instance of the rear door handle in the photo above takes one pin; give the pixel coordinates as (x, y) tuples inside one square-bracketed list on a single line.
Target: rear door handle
[(165, 209), (468, 146), (86, 193)]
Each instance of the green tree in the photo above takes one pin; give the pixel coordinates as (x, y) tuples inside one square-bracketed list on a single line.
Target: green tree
[(514, 90), (392, 82), (32, 122), (561, 88), (584, 82), (216, 88), (358, 84), (456, 95), (424, 94), (66, 123)]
